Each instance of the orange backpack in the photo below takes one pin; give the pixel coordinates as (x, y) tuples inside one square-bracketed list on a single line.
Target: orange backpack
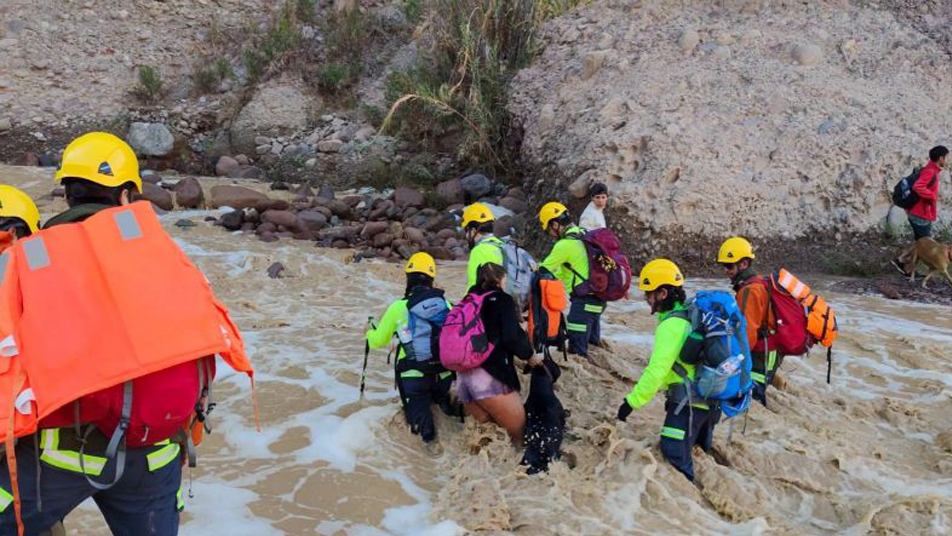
[(821, 320), (547, 300)]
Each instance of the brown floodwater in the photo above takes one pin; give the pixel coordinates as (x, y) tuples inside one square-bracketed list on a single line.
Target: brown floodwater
[(869, 454)]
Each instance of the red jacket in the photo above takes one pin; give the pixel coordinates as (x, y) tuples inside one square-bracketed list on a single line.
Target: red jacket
[(928, 189)]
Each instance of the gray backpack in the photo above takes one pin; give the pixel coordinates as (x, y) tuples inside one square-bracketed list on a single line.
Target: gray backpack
[(427, 313), (519, 267)]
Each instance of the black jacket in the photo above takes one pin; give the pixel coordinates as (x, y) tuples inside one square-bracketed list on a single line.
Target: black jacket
[(503, 330)]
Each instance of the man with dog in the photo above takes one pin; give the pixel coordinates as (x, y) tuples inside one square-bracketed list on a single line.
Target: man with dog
[(923, 214)]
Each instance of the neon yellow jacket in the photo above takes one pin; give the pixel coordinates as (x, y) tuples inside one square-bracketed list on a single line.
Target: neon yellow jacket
[(670, 335), (487, 250), (569, 250), (397, 316)]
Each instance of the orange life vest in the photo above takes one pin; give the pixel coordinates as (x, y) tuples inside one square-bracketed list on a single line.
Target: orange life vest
[(821, 321), (94, 304), (547, 300)]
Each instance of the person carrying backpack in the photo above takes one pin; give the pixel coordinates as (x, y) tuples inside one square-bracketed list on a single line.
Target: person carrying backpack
[(486, 247), (490, 390), (684, 427), (736, 256), (122, 444), (924, 211), (568, 261), (416, 320)]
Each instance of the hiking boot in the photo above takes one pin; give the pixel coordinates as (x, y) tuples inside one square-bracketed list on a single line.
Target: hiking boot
[(899, 266)]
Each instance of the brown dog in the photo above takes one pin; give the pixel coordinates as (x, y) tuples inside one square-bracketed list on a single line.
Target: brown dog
[(934, 255)]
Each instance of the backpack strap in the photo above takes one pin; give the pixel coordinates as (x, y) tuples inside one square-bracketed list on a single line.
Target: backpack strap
[(117, 444)]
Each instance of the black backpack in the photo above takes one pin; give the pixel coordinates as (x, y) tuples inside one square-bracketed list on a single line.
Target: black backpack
[(903, 195)]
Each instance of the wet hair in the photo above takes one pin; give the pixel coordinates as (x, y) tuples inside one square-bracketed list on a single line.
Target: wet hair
[(675, 295), (598, 188), (82, 191), (416, 280), (484, 227), (15, 226), (938, 152), (490, 275)]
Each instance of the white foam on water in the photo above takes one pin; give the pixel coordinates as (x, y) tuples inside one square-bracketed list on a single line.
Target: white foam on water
[(222, 508)]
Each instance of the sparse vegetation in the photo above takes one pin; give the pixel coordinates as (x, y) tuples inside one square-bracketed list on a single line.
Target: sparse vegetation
[(304, 10), (207, 77), (150, 86), (413, 10), (332, 76)]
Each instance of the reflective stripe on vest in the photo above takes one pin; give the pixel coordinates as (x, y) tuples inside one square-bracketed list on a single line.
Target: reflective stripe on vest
[(672, 433), (758, 377), (161, 457), (576, 327), (180, 499), (4, 261), (5, 499), (36, 254), (67, 459), (128, 226), (792, 285)]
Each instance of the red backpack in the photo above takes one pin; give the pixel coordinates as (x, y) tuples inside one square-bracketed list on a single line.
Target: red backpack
[(162, 404), (609, 272), (789, 334)]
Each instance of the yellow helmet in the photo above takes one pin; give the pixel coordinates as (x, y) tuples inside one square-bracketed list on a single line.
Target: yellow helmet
[(659, 272), (478, 213), (101, 158), (549, 212), (735, 249), (422, 263), (16, 204)]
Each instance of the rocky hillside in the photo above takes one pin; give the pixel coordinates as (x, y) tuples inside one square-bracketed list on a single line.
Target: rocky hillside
[(768, 119)]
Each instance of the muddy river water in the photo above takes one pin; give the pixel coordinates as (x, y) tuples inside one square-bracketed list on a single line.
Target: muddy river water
[(870, 454)]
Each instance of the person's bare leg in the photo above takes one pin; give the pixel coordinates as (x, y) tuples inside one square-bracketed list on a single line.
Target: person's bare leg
[(476, 412), (506, 411)]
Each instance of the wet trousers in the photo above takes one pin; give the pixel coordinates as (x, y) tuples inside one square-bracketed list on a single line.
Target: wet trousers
[(763, 370), (142, 503), (681, 431), (417, 392), (584, 324)]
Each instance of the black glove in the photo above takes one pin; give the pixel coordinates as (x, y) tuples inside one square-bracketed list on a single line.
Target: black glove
[(624, 410)]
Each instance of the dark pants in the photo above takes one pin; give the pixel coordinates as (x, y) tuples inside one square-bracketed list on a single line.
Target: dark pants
[(763, 370), (141, 503), (692, 426), (584, 324), (417, 394), (921, 228)]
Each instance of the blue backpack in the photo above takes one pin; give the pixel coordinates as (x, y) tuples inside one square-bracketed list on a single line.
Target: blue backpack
[(427, 311), (717, 346)]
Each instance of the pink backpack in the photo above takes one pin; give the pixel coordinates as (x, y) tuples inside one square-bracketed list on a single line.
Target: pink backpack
[(463, 342)]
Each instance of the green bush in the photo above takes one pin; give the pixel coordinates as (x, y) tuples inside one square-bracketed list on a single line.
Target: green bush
[(204, 79), (254, 63), (332, 76), (150, 85), (223, 69), (413, 10)]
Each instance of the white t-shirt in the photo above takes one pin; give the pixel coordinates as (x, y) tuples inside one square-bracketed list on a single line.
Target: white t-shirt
[(592, 218)]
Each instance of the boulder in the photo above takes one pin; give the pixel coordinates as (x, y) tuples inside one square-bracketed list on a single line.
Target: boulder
[(807, 54), (415, 235), (451, 191), (266, 227), (326, 192), (283, 218), (518, 206), (381, 211), (383, 240), (451, 243), (435, 224), (246, 172), (340, 209), (236, 197), (189, 193), (159, 196), (516, 192), (233, 220), (476, 185), (440, 253), (330, 146), (271, 204), (268, 237), (312, 220), (149, 175), (225, 166), (373, 228), (446, 233), (150, 139), (407, 197), (346, 233), (303, 191), (275, 110)]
